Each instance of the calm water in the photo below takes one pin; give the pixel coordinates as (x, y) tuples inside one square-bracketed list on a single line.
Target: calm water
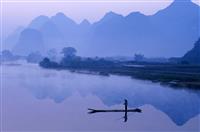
[(36, 99)]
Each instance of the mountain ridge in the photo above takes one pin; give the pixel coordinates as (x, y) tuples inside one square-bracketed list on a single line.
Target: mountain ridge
[(151, 35)]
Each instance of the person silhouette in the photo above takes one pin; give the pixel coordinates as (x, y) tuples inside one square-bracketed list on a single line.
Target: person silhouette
[(125, 104), (126, 108)]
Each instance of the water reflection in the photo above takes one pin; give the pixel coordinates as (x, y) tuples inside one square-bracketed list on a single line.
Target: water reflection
[(180, 105)]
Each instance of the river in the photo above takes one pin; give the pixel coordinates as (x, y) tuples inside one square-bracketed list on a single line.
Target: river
[(37, 99)]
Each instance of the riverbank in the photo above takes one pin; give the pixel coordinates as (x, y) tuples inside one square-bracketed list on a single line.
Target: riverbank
[(174, 75)]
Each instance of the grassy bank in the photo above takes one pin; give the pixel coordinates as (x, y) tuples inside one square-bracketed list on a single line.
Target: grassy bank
[(174, 75)]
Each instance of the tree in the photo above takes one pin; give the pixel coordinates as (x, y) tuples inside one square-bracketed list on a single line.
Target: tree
[(139, 57), (34, 57), (52, 54), (6, 55), (69, 52), (46, 63)]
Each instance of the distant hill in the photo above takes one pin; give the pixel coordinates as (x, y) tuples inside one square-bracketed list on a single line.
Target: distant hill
[(38, 22), (193, 56), (29, 41), (12, 39), (169, 32)]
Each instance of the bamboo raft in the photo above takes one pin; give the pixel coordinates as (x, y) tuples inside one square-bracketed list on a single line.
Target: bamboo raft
[(125, 110), (128, 110)]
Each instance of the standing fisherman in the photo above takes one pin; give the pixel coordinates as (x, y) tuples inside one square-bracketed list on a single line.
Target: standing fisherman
[(126, 105)]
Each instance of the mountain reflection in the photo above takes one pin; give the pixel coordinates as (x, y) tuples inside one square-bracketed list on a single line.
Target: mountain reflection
[(180, 105)]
